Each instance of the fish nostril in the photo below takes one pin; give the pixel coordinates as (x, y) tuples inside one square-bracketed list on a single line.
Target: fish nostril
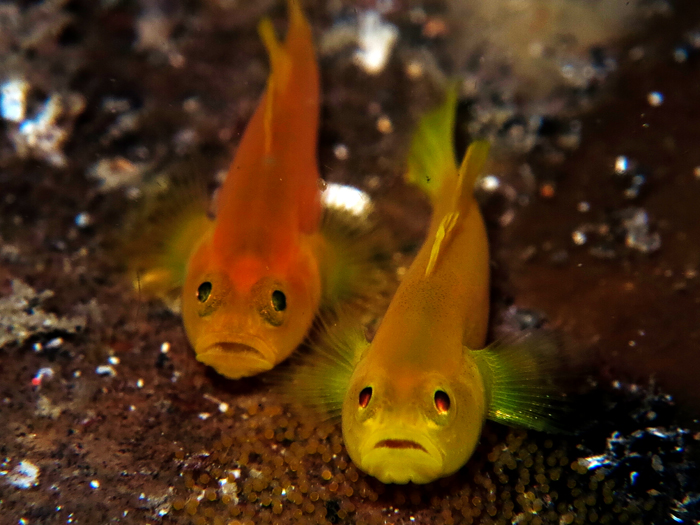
[(365, 396)]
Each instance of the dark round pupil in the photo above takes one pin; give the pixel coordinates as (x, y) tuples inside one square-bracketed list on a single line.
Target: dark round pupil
[(204, 291), (365, 396), (442, 401), (279, 301)]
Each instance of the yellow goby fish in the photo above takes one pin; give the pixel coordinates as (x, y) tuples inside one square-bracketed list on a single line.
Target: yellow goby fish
[(253, 278), (414, 400)]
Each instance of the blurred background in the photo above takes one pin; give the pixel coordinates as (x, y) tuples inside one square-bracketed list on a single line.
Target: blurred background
[(591, 199)]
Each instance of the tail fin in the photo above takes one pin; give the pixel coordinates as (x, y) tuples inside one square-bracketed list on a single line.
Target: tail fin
[(519, 376), (431, 158), (318, 379)]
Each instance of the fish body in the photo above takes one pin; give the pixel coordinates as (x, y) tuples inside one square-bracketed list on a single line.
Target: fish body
[(413, 401), (253, 283), (252, 279), (427, 400)]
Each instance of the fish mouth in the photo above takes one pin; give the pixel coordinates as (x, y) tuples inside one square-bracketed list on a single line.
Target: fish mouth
[(235, 359), (401, 457), (400, 443), (236, 348)]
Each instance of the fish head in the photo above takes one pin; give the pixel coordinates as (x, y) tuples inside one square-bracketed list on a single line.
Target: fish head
[(243, 316), (405, 425)]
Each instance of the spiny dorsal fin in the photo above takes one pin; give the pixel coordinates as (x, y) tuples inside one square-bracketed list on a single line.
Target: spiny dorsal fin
[(470, 169), (280, 66), (519, 375), (459, 200), (441, 235)]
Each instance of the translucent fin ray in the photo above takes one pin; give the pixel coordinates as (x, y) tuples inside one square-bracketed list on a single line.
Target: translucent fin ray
[(356, 265), (318, 377), (519, 375), (163, 234)]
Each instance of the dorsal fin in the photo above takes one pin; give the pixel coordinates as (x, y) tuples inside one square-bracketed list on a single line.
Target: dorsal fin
[(277, 81), (271, 193), (470, 169), (453, 202), (441, 235)]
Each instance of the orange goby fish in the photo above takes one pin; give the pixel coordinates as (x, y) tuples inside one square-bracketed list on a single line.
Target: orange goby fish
[(413, 401), (252, 280), (253, 284)]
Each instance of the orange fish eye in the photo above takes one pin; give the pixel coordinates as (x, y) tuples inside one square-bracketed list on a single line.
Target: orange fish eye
[(204, 291), (279, 301), (365, 396), (442, 402)]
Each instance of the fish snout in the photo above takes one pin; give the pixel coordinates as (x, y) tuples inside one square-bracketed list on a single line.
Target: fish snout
[(237, 357), (401, 455)]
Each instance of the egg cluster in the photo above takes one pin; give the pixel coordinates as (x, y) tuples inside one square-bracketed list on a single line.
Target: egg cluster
[(274, 466)]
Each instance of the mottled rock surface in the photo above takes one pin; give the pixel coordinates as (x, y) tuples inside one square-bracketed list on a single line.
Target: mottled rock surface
[(592, 205)]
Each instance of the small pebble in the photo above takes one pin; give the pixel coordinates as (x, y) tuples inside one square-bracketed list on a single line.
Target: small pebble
[(655, 99), (24, 476), (680, 55), (83, 220), (621, 165), (490, 183), (106, 370), (579, 237), (384, 125), (56, 342), (414, 70), (341, 152), (547, 190), (43, 374), (376, 40)]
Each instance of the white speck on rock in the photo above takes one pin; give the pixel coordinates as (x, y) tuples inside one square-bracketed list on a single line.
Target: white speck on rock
[(24, 476), (106, 370), (13, 100), (21, 317), (376, 39)]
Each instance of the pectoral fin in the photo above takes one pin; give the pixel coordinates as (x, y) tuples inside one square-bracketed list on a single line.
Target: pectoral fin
[(319, 377), (519, 377), (163, 234)]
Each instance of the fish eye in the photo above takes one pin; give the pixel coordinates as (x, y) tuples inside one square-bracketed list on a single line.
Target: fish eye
[(442, 402), (279, 301), (204, 291), (365, 396)]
